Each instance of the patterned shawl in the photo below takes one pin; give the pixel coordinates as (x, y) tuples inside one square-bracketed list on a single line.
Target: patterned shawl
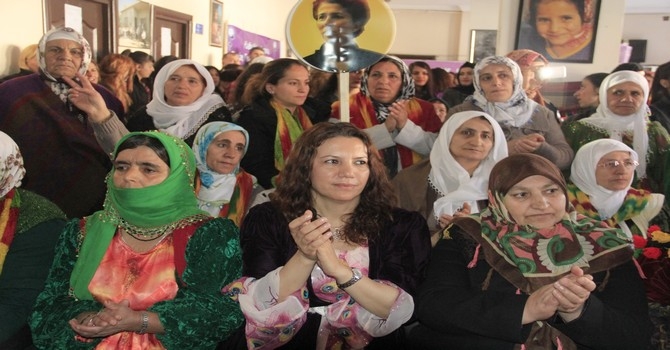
[(289, 128), (11, 173)]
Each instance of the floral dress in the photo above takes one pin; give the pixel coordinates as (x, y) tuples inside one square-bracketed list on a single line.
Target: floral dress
[(344, 323)]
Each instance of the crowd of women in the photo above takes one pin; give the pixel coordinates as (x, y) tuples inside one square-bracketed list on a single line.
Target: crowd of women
[(177, 218)]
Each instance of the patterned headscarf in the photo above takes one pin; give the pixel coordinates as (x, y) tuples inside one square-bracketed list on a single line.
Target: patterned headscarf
[(518, 109), (583, 174), (454, 184), (216, 188), (11, 165), (616, 125), (407, 88), (58, 86), (182, 121), (542, 256), (525, 59)]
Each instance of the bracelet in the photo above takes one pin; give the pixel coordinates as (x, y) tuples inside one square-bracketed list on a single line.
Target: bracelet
[(145, 323), (355, 278)]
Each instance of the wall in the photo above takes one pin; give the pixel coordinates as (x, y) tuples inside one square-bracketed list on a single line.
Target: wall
[(648, 27), (423, 32)]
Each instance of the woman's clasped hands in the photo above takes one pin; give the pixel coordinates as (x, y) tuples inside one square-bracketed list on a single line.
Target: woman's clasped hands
[(112, 319), (398, 115)]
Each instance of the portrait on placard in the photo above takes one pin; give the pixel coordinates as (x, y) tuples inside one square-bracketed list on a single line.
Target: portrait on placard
[(340, 35), (216, 24), (561, 30)]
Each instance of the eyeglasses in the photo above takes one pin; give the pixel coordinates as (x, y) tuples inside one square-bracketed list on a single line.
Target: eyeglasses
[(613, 164)]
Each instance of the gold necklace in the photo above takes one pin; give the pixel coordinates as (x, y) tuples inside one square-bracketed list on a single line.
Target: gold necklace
[(146, 234)]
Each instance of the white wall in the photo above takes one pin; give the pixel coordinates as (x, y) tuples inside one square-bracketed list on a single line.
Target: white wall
[(655, 30)]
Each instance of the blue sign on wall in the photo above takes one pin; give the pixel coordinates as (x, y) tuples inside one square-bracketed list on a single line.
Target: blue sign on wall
[(198, 28)]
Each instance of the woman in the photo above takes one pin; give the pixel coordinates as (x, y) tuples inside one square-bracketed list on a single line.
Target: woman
[(182, 102), (335, 261), (531, 63), (145, 271), (144, 66), (564, 27), (587, 96), (456, 95), (216, 77), (115, 74), (340, 22), (528, 127), (30, 226), (275, 117), (28, 63), (454, 182), (660, 93), (93, 73), (441, 108), (622, 116), (507, 285), (423, 80), (402, 126), (222, 188)]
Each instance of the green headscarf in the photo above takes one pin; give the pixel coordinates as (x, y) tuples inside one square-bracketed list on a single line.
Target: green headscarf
[(170, 202)]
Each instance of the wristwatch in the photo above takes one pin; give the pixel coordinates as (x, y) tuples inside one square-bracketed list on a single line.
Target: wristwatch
[(355, 278)]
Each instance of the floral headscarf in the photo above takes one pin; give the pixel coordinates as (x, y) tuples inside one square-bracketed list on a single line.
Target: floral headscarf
[(454, 184), (216, 188), (58, 86), (518, 109), (182, 121), (525, 59), (407, 88), (11, 165), (616, 125)]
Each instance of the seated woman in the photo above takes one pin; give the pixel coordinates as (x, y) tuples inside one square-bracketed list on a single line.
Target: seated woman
[(400, 125), (500, 281), (222, 188), (30, 226), (457, 94), (602, 173), (423, 80), (531, 63), (455, 181), (587, 96), (144, 272), (183, 101), (330, 261), (275, 116), (623, 116), (528, 127), (116, 72)]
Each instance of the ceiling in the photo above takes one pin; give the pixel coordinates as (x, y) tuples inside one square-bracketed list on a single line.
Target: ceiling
[(632, 6)]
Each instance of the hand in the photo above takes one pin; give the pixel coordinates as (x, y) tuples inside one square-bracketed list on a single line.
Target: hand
[(331, 264), (85, 97), (540, 305), (445, 219), (571, 292), (399, 112), (526, 144), (309, 235), (390, 123)]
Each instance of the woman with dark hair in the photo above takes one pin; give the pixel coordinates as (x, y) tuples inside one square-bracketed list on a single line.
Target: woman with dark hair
[(141, 93), (330, 261), (660, 94), (275, 116), (144, 272), (423, 80), (400, 125), (465, 87), (183, 101), (587, 96), (340, 22), (530, 273)]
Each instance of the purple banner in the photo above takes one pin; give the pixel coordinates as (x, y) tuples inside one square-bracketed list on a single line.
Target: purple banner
[(240, 41), (449, 66)]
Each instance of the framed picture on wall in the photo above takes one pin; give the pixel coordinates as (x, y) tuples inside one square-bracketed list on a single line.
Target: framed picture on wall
[(562, 31), (482, 44), (135, 23), (216, 24)]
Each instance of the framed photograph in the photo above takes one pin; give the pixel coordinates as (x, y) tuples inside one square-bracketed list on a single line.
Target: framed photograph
[(216, 24), (482, 44), (562, 31), (135, 25)]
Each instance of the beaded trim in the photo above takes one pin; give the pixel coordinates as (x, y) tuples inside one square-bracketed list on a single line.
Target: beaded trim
[(151, 233)]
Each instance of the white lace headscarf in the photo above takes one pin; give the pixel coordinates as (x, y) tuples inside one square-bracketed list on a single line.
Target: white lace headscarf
[(11, 165), (454, 184), (58, 86), (616, 125), (518, 109), (583, 175), (182, 121)]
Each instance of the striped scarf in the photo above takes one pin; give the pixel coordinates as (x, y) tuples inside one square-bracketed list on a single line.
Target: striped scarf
[(240, 200), (9, 214), (289, 128)]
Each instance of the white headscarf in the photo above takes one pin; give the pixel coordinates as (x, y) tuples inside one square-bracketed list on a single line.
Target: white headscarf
[(11, 165), (583, 175), (518, 109), (450, 179), (217, 189), (182, 121), (616, 125)]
